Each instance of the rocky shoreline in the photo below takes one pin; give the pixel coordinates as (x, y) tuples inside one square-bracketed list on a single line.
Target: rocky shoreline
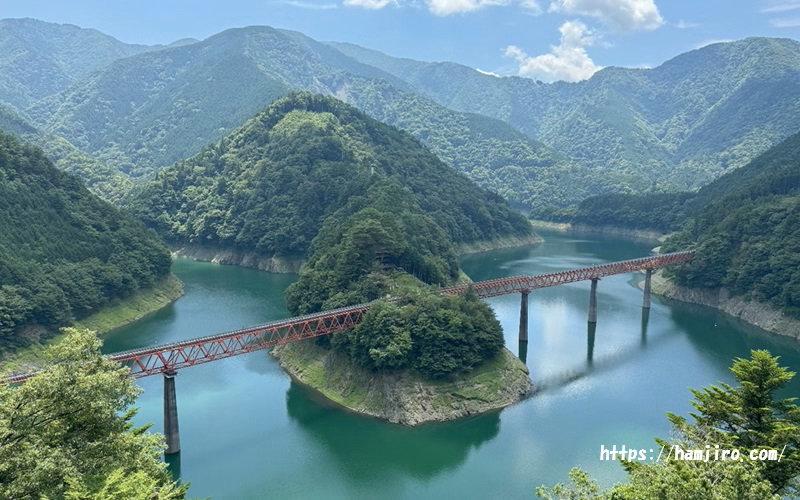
[(404, 397), (641, 234), (273, 264), (227, 256), (756, 313)]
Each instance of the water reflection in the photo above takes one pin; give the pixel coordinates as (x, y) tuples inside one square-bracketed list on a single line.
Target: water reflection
[(523, 351), (645, 322), (358, 443), (591, 328), (173, 461)]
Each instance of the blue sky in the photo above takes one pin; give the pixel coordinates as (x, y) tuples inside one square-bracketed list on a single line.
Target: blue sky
[(544, 39)]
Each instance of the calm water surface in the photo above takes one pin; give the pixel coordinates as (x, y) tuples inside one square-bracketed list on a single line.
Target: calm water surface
[(247, 431)]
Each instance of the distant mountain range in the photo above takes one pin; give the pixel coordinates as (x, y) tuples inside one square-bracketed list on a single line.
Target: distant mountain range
[(678, 126)]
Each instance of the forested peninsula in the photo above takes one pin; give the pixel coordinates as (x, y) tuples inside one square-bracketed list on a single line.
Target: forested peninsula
[(64, 253), (365, 207)]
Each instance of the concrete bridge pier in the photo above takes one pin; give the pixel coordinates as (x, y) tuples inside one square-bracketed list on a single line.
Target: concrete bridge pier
[(646, 299), (593, 301), (171, 414), (523, 317)]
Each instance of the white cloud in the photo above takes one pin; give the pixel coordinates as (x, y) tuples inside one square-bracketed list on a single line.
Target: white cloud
[(532, 6), (487, 73), (622, 15), (368, 4), (309, 5), (785, 22), (567, 61), (781, 6), (684, 25), (447, 7)]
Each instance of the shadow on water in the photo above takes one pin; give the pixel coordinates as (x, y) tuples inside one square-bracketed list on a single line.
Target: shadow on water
[(607, 362), (423, 451)]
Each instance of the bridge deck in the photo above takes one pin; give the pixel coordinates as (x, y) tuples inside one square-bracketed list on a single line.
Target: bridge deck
[(170, 357)]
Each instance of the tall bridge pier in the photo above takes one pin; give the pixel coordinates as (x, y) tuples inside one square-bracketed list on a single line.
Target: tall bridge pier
[(646, 299), (171, 414), (168, 358), (523, 317), (593, 301)]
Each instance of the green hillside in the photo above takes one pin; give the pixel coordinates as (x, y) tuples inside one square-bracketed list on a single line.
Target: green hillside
[(674, 127), (101, 179), (269, 185), (147, 111), (745, 227), (38, 59), (746, 231), (64, 253)]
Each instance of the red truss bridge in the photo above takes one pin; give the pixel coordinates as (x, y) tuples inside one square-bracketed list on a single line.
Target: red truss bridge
[(519, 284), (167, 358)]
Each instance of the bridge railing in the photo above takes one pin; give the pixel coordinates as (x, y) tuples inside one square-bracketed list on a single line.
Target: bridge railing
[(169, 357), (517, 284)]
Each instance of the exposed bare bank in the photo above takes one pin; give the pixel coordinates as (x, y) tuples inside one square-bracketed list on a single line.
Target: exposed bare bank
[(403, 397), (756, 313)]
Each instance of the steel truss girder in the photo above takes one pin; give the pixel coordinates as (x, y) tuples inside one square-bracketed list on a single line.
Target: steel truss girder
[(169, 357)]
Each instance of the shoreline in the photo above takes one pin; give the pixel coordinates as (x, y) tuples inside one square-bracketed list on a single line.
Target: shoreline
[(291, 265), (758, 314), (639, 234), (123, 312), (403, 397)]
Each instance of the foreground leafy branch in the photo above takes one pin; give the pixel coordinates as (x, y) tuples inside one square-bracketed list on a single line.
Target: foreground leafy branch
[(745, 417), (66, 432)]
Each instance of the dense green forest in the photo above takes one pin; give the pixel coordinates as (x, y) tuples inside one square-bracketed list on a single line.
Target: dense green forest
[(670, 128), (269, 185), (745, 227), (541, 146), (64, 253), (101, 179)]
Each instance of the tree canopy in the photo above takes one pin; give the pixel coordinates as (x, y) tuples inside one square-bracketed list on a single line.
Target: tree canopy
[(64, 253), (66, 431)]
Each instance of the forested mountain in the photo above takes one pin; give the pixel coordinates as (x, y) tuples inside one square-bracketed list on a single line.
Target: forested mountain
[(745, 227), (101, 179), (64, 253), (269, 185), (144, 112), (677, 126), (674, 127), (746, 230), (38, 59)]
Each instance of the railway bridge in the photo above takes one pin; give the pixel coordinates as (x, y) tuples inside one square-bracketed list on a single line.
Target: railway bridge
[(166, 359)]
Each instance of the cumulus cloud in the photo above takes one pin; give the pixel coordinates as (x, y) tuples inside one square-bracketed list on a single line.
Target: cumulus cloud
[(447, 7), (368, 4), (622, 15), (489, 73), (568, 61)]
